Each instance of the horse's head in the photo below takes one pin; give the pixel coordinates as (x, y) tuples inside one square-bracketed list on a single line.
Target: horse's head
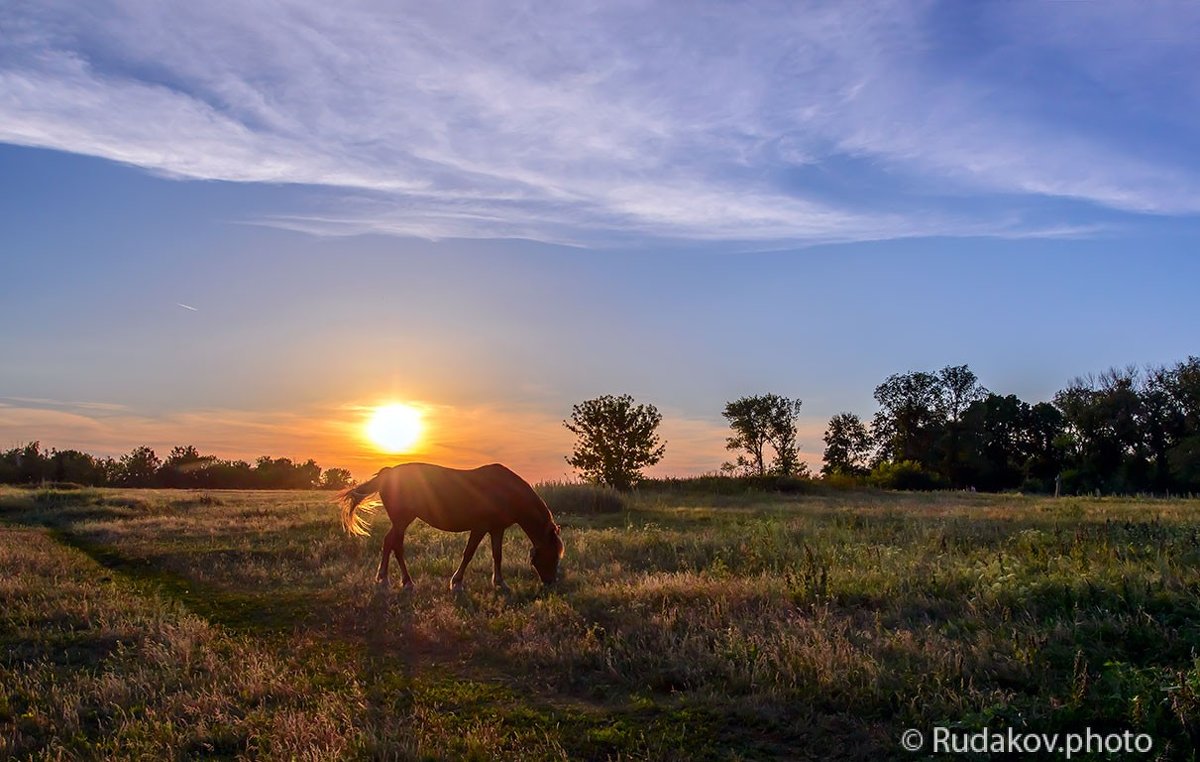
[(545, 554)]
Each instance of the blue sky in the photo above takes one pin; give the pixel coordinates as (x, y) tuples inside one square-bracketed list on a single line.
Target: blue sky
[(500, 209)]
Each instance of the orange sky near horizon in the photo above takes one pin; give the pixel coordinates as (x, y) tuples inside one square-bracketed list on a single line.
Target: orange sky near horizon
[(529, 440)]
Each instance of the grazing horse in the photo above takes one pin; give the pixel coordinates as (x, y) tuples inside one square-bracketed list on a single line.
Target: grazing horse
[(484, 500)]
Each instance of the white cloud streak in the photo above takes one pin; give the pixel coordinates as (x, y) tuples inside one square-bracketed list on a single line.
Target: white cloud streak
[(581, 123)]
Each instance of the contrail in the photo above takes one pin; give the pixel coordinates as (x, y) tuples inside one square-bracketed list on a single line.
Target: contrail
[(186, 306)]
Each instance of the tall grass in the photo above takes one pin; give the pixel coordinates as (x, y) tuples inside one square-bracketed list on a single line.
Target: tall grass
[(684, 625), (721, 484), (580, 497)]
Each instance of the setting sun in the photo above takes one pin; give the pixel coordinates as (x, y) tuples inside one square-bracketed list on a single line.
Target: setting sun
[(395, 428)]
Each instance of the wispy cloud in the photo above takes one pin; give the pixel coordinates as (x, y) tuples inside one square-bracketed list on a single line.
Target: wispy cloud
[(619, 121), (68, 405)]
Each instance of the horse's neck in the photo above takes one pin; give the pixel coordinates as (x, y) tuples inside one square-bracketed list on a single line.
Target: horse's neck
[(536, 525)]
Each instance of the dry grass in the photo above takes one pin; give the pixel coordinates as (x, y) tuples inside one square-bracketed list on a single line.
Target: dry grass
[(731, 627), (94, 668)]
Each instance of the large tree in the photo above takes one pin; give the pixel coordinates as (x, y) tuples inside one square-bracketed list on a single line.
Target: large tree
[(758, 421), (994, 440), (616, 439), (847, 446), (910, 418), (920, 418), (960, 388)]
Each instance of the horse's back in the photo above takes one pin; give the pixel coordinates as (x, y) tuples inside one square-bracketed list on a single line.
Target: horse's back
[(458, 500)]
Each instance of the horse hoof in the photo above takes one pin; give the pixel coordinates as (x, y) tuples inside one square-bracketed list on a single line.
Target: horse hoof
[(501, 587), (381, 582), (456, 586)]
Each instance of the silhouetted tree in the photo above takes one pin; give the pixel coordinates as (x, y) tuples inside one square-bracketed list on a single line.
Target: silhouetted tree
[(336, 478), (307, 475), (110, 470), (139, 467), (1106, 445), (920, 420), (75, 467), (10, 473), (959, 388), (1044, 443), (910, 417), (1176, 402), (232, 474), (1006, 444), (994, 434), (28, 464), (616, 439), (1184, 462), (186, 468), (282, 473), (847, 446), (760, 420)]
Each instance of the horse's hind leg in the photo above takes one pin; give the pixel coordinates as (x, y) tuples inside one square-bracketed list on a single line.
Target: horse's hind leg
[(388, 542), (398, 549), (497, 554), (456, 582)]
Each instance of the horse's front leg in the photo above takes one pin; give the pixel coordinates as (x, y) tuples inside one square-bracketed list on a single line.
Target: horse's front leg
[(456, 582), (497, 555)]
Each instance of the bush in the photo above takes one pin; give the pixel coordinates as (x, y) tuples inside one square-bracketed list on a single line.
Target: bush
[(843, 482), (1035, 486), (580, 497), (904, 475)]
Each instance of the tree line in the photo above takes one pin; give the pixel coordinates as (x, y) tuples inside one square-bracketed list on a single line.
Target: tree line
[(183, 468), (1125, 431)]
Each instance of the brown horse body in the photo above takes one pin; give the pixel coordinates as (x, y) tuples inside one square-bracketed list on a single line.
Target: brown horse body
[(484, 500)]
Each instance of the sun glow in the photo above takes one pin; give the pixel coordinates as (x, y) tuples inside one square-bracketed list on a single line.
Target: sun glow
[(395, 428)]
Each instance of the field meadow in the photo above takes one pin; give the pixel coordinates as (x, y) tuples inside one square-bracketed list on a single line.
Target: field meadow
[(166, 624)]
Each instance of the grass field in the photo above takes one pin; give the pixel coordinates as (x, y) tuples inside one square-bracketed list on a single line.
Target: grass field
[(163, 624)]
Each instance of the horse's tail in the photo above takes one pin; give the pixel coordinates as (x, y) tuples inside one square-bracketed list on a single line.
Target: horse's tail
[(351, 498)]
